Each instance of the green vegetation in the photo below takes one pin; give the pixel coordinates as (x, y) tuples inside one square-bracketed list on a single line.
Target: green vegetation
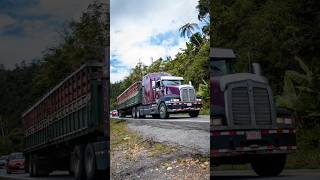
[(22, 86), (123, 139), (283, 36)]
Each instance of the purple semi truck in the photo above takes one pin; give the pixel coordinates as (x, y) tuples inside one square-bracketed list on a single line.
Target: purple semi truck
[(245, 124), (159, 94)]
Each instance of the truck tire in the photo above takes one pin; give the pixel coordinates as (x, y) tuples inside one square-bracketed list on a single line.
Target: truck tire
[(194, 113), (36, 169), (163, 111), (121, 114), (138, 113), (133, 112), (78, 162), (269, 165), (30, 167), (90, 162), (71, 165)]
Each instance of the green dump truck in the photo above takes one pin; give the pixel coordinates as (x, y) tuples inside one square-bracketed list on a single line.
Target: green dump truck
[(66, 129)]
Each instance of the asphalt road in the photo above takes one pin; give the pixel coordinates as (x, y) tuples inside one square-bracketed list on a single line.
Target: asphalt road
[(57, 175), (176, 121), (180, 129), (292, 174)]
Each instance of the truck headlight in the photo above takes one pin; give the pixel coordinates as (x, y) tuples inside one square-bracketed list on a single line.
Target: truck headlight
[(284, 120), (280, 120), (216, 121), (199, 99), (288, 121)]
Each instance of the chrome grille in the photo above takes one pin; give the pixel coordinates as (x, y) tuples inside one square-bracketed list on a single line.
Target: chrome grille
[(250, 103), (240, 106), (187, 94), (261, 106)]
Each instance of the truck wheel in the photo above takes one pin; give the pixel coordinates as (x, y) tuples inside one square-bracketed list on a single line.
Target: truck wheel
[(133, 112), (30, 167), (71, 165), (163, 111), (38, 169), (78, 162), (90, 162), (121, 114), (270, 165), (194, 113), (137, 112)]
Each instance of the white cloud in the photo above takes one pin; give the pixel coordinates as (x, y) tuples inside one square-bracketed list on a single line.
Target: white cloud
[(134, 22), (40, 25)]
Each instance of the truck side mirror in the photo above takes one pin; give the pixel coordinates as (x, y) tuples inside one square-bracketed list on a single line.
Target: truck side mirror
[(256, 68), (190, 83)]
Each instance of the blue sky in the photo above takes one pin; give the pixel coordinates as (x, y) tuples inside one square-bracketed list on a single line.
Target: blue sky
[(29, 27), (145, 30)]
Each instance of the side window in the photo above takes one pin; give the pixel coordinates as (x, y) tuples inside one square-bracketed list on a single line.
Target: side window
[(158, 84)]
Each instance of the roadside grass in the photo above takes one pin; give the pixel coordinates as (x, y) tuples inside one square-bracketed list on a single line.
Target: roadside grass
[(205, 111), (132, 142)]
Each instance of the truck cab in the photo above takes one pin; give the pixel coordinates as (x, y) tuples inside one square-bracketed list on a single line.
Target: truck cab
[(169, 95), (245, 124)]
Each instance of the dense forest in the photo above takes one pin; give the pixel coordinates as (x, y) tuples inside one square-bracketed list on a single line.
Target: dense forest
[(284, 37), (22, 86)]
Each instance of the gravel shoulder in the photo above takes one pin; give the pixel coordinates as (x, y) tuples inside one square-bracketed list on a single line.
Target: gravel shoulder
[(137, 156)]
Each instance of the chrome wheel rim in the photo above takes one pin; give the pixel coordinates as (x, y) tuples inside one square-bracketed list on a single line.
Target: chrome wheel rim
[(162, 111)]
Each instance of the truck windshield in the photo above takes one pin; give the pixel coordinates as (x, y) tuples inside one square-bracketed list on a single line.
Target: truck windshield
[(222, 67), (171, 82)]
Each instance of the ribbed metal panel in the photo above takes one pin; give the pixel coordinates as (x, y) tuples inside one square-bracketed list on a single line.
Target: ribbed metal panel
[(192, 96), (261, 106), (187, 94), (240, 106)]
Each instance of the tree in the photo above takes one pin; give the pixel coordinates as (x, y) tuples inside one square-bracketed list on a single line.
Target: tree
[(187, 29)]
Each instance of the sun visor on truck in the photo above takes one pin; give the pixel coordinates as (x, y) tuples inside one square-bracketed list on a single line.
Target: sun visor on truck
[(221, 54)]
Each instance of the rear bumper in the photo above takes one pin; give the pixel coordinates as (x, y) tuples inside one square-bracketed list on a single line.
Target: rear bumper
[(181, 107), (235, 143)]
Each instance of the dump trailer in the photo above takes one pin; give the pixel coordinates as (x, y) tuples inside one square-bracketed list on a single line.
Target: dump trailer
[(65, 129), (246, 126), (159, 95)]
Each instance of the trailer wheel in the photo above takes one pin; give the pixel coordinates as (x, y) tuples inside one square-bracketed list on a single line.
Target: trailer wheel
[(163, 111), (78, 162), (133, 112), (90, 162), (121, 114), (30, 166), (38, 167), (270, 165), (138, 113), (194, 113), (71, 165)]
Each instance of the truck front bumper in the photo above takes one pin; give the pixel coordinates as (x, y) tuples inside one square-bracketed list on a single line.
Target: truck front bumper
[(239, 142), (181, 107)]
